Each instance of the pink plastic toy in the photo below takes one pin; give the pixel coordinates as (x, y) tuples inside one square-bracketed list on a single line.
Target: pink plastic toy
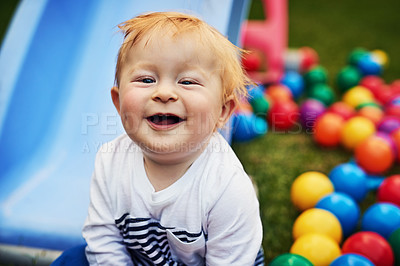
[(269, 37)]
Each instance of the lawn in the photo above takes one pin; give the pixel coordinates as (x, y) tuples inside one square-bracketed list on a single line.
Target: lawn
[(333, 29)]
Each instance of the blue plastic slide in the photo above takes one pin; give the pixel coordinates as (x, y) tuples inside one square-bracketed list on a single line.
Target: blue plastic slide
[(57, 67)]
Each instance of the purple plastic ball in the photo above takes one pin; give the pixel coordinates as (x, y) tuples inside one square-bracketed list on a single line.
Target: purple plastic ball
[(389, 124), (310, 110)]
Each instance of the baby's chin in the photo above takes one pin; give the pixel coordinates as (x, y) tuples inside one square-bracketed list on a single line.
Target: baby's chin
[(172, 153)]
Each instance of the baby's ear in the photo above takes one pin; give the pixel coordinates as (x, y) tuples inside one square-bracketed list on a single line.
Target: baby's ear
[(227, 110), (115, 98)]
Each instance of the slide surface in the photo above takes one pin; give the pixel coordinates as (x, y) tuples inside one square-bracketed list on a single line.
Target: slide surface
[(57, 63)]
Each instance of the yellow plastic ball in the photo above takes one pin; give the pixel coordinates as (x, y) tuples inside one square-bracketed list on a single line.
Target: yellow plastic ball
[(381, 57), (358, 95), (319, 249), (355, 130), (317, 221), (308, 188)]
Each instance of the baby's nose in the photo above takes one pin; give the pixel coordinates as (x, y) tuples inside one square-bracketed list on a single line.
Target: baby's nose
[(165, 94)]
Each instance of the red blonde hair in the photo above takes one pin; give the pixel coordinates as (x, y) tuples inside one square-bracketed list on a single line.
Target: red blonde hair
[(233, 76)]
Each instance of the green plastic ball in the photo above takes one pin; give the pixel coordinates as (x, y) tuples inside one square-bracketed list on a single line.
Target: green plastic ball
[(317, 75), (323, 93), (289, 259), (394, 241), (348, 77), (260, 106), (356, 55)]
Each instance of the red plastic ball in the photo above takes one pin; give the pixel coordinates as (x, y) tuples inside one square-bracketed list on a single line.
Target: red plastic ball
[(370, 245), (385, 94), (328, 129), (374, 155), (283, 115), (342, 109), (252, 61), (389, 190), (396, 139), (373, 83), (393, 110)]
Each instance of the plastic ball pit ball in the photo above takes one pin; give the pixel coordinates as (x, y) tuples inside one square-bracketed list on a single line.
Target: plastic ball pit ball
[(289, 259), (382, 218), (252, 61), (348, 77), (344, 208), (380, 56), (278, 93), (283, 115), (385, 94), (356, 55), (317, 221), (351, 260), (342, 109), (323, 93), (321, 250), (316, 75), (393, 110), (260, 106), (247, 127), (294, 81), (368, 65), (355, 130), (308, 188), (394, 241), (370, 245), (350, 179), (389, 124), (374, 155), (372, 112), (358, 95), (310, 110), (396, 139), (373, 83), (328, 129), (389, 190)]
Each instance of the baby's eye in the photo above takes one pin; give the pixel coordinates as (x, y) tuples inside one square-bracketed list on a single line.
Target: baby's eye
[(147, 80), (188, 82)]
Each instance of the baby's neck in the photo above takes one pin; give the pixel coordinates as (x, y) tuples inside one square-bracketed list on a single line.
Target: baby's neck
[(162, 175)]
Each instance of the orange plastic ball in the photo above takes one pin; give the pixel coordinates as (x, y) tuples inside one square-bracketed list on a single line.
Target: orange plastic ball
[(374, 155), (396, 138), (373, 113), (328, 128), (279, 92)]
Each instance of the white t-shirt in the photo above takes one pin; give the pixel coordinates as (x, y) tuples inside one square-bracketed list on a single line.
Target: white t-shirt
[(209, 216)]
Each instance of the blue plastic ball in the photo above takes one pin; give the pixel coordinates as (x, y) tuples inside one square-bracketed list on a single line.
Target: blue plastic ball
[(344, 208), (294, 81), (255, 92), (351, 180), (351, 260), (247, 127), (381, 218), (369, 66)]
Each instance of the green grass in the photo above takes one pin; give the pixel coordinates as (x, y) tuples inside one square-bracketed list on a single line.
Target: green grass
[(333, 29)]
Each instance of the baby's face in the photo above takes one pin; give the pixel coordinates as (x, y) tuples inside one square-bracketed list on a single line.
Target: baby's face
[(170, 95)]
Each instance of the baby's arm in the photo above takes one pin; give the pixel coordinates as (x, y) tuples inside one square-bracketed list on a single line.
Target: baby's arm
[(234, 226), (104, 241)]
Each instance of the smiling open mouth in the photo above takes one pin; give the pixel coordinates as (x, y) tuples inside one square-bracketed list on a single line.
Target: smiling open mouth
[(164, 119)]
